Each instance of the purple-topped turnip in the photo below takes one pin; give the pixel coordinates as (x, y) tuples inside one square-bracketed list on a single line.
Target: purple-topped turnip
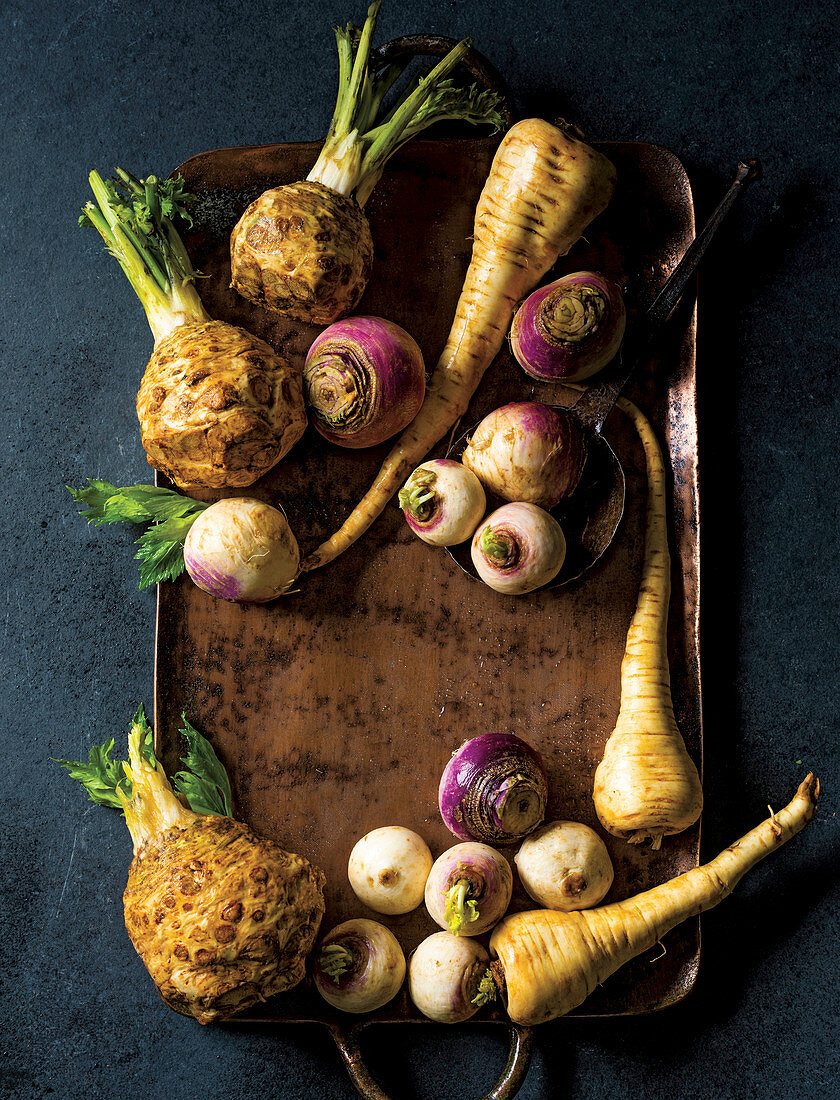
[(468, 889), (364, 381), (241, 549), (359, 966), (443, 502), (527, 451), (388, 869), (570, 329), (565, 865), (518, 549), (494, 789), (449, 978)]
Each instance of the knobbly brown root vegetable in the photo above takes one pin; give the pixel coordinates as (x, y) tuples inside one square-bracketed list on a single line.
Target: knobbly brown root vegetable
[(544, 189), (222, 917), (305, 249), (647, 786), (552, 961), (217, 406)]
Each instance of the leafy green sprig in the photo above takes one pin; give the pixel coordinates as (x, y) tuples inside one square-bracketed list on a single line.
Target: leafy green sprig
[(135, 219), (204, 783), (486, 991), (101, 776), (359, 142), (160, 549)]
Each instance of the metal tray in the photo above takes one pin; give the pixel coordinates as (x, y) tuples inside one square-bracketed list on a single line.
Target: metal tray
[(337, 707)]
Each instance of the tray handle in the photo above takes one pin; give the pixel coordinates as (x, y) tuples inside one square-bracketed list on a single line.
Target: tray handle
[(437, 45), (510, 1082)]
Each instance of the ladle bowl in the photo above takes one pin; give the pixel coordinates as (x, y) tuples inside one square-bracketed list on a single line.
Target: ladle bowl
[(590, 516)]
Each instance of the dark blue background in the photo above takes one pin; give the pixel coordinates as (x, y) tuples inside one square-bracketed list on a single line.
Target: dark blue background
[(146, 85)]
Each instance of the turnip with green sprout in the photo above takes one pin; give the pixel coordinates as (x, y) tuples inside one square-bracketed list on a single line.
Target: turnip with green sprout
[(305, 249), (388, 869), (449, 978), (518, 548), (443, 502), (218, 407), (469, 889), (359, 966)]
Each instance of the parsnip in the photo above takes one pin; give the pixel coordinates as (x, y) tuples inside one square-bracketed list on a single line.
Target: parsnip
[(552, 961), (544, 189), (647, 786)]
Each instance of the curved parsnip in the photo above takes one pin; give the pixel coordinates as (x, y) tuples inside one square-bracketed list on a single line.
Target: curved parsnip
[(544, 189), (647, 786), (552, 961)]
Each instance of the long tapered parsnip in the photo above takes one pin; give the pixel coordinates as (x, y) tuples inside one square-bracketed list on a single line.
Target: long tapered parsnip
[(647, 786), (544, 189), (552, 961)]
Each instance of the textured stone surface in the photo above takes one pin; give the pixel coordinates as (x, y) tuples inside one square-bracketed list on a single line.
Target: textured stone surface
[(146, 85)]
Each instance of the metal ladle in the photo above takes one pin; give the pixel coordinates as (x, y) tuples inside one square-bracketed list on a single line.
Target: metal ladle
[(591, 516)]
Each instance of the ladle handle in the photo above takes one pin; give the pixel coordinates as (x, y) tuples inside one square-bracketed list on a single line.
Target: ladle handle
[(594, 407)]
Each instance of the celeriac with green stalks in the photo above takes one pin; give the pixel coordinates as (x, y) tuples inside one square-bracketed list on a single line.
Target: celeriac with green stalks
[(218, 407), (305, 249), (221, 916)]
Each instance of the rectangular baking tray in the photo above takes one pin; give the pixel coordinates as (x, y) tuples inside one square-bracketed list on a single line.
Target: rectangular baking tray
[(337, 707)]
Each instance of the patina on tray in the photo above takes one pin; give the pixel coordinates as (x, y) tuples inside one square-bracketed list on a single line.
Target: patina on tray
[(337, 707)]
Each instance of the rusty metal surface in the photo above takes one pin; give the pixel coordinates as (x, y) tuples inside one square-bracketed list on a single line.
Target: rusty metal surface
[(337, 708)]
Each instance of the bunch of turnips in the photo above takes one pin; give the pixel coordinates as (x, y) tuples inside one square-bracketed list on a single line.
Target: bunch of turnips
[(493, 793), (542, 962)]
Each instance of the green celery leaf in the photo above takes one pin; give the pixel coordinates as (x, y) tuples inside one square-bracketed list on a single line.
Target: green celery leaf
[(100, 776), (160, 549), (205, 784), (147, 745), (107, 503), (175, 198)]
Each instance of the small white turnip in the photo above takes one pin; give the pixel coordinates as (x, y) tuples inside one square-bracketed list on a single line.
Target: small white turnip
[(242, 549), (388, 869), (443, 502), (518, 548), (449, 978), (565, 865), (359, 966)]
